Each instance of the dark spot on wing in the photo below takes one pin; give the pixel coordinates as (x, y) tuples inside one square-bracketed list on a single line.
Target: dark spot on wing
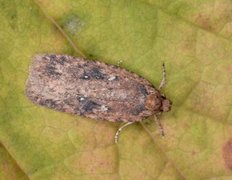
[(88, 105), (96, 73), (138, 109), (51, 71), (141, 88)]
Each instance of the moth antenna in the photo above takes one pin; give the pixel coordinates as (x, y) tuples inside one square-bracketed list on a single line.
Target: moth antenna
[(164, 80), (116, 137), (161, 128)]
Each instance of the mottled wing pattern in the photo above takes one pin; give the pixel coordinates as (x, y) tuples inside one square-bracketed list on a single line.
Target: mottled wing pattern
[(89, 88)]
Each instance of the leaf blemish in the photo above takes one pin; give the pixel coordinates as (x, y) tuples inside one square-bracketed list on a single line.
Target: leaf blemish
[(227, 154)]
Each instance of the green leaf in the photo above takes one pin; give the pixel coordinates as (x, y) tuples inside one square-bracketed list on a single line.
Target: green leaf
[(193, 38), (9, 169)]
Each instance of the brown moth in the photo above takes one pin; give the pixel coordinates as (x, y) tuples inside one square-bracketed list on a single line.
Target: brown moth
[(93, 89)]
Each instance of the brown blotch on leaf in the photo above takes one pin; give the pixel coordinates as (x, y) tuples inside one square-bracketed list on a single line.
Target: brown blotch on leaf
[(227, 154), (204, 21)]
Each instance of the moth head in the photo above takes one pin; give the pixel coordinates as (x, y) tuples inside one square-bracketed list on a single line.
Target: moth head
[(166, 104), (158, 103)]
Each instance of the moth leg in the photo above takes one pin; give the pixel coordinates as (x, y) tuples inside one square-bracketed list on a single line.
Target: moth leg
[(119, 130), (157, 120), (163, 81)]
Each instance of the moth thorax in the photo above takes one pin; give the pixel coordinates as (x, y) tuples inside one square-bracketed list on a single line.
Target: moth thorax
[(158, 103)]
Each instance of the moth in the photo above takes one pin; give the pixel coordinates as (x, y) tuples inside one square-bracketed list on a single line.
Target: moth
[(94, 89)]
